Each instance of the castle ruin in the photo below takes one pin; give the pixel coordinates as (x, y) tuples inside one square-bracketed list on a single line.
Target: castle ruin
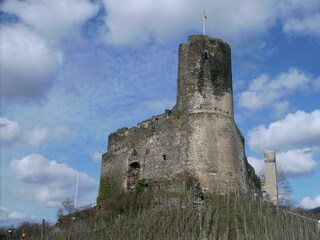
[(196, 139)]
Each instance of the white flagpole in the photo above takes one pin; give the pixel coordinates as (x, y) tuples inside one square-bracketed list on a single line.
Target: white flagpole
[(204, 23), (75, 197)]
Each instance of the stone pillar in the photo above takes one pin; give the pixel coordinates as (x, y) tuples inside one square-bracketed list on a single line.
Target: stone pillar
[(271, 183)]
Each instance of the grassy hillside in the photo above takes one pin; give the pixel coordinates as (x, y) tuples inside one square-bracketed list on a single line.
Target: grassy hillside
[(172, 216)]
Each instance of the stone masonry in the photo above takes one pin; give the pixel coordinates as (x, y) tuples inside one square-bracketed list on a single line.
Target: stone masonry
[(271, 183), (198, 139)]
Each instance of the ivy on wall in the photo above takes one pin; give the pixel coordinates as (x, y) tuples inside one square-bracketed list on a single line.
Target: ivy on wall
[(141, 185), (107, 188)]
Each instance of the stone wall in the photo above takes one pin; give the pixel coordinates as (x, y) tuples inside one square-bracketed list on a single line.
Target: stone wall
[(156, 147)]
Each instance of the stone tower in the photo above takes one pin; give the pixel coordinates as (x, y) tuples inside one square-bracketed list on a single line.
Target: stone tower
[(271, 182), (204, 76), (205, 99), (198, 136)]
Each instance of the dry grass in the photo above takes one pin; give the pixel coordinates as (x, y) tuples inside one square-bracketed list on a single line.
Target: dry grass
[(176, 216)]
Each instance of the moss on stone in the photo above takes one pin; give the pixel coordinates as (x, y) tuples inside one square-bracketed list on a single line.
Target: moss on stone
[(141, 185), (107, 188)]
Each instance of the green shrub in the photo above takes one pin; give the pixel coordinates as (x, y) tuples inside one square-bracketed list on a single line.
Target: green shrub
[(107, 188), (141, 185)]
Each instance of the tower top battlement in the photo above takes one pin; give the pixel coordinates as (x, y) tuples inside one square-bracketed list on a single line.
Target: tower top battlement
[(197, 38)]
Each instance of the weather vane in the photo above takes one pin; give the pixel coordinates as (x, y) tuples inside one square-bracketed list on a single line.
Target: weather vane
[(204, 23)]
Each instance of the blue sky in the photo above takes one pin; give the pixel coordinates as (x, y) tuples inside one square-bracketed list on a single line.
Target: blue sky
[(72, 72)]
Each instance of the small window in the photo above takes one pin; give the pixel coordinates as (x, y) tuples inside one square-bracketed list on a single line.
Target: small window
[(205, 56), (164, 157), (134, 165)]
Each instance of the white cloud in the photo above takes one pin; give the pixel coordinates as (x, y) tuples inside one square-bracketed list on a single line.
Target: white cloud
[(29, 59), (250, 100), (27, 63), (258, 165), (3, 213), (36, 136), (299, 129), (280, 108), (3, 209), (52, 19), (296, 162), (310, 203), (300, 17), (96, 156), (17, 215), (307, 26), (61, 132), (9, 130), (49, 182), (146, 20), (316, 84), (265, 92), (293, 162)]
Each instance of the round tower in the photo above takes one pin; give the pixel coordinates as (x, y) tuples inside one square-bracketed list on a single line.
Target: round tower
[(204, 76), (204, 100)]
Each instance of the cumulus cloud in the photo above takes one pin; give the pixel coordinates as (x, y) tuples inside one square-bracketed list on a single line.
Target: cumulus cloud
[(149, 20), (299, 129), (310, 203), (3, 209), (52, 19), (296, 162), (36, 136), (29, 58), (264, 91), (9, 130), (316, 84), (308, 26), (96, 156), (27, 62), (15, 215), (257, 164), (49, 181), (301, 18), (233, 20), (3, 213), (293, 162)]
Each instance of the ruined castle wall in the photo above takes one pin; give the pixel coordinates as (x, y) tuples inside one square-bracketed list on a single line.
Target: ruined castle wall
[(154, 147), (198, 136)]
